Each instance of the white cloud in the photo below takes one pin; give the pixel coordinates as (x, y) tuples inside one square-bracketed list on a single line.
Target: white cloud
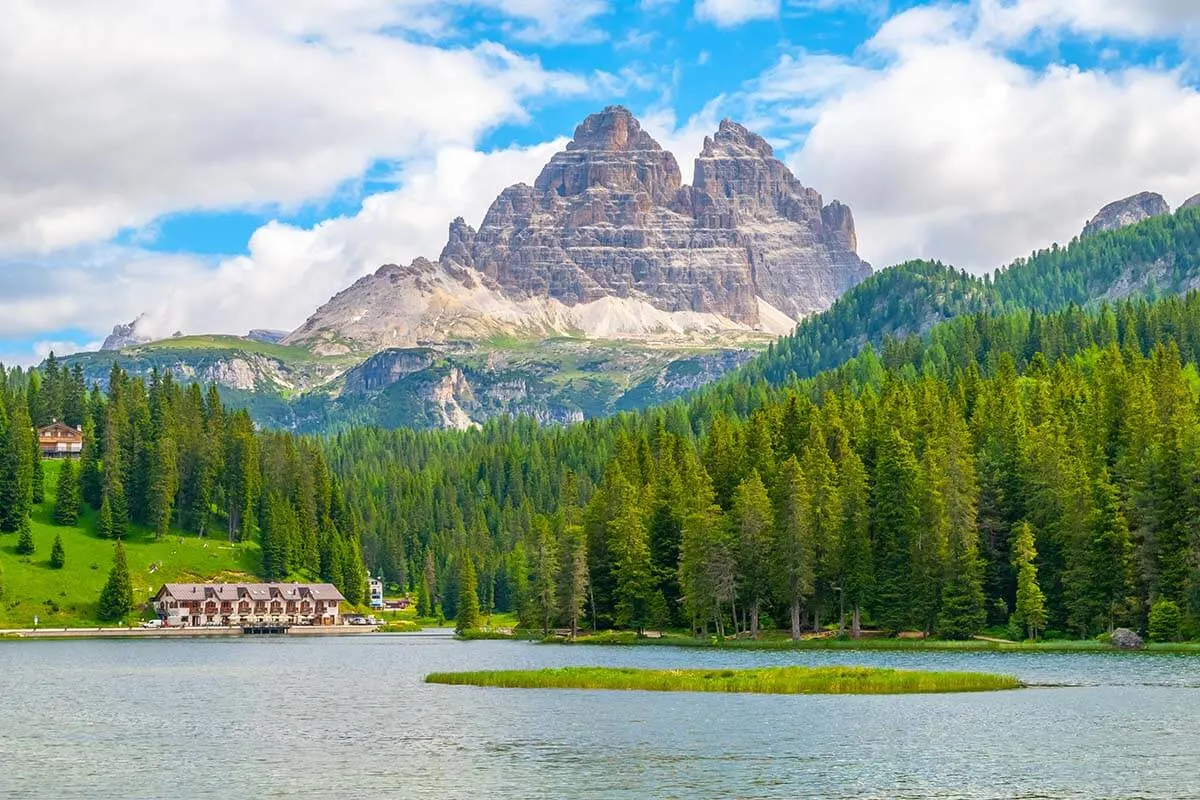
[(1123, 19), (945, 147), (111, 120), (289, 271), (686, 140), (729, 13), (551, 21)]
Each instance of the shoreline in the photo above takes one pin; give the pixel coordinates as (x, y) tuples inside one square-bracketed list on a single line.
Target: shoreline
[(18, 634)]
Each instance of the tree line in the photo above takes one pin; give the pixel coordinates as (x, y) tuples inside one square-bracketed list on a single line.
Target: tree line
[(1031, 470)]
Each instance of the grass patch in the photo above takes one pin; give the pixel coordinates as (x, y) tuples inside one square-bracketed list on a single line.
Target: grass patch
[(67, 597), (400, 626), (776, 680)]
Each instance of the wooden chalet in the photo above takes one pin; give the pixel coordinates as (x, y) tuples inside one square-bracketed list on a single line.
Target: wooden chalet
[(59, 440)]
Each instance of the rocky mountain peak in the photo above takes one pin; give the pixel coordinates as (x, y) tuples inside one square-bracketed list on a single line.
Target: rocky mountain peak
[(613, 129), (1128, 211), (611, 151), (609, 241), (127, 335), (1191, 202), (734, 139)]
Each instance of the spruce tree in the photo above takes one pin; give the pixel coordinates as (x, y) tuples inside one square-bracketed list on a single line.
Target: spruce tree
[(1031, 603), (58, 556), (574, 577), (105, 523), (25, 538), (632, 573), (116, 599), (39, 470), (66, 501), (91, 479), (897, 519), (754, 531), (468, 598), (544, 573), (795, 554), (16, 466)]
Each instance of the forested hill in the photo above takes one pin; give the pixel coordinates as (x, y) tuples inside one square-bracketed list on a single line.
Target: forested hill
[(167, 459), (1063, 448), (1157, 256)]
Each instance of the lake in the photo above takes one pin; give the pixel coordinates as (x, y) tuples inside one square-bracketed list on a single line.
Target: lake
[(350, 718)]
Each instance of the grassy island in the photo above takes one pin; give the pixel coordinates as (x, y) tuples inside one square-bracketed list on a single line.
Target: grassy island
[(775, 680)]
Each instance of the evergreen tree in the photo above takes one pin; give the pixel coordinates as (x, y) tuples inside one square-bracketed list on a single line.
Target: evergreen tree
[(91, 481), (16, 465), (58, 556), (39, 470), (753, 530), (1031, 603), (574, 577), (66, 499), (1110, 554), (105, 526), (467, 617), (795, 552), (544, 573), (116, 599), (163, 486), (25, 538), (897, 519), (632, 574)]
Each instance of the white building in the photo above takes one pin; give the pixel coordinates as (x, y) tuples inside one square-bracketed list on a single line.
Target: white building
[(376, 593), (181, 604)]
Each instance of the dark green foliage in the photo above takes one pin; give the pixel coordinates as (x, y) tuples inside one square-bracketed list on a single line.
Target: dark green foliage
[(467, 617), (25, 538), (66, 501), (58, 555), (116, 599)]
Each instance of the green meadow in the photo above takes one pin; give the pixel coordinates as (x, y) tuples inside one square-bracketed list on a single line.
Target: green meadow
[(776, 680), (67, 597)]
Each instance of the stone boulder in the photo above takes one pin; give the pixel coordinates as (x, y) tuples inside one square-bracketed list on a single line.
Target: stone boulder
[(1125, 639)]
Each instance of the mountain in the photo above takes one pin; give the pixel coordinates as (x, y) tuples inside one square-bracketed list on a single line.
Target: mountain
[(127, 335), (609, 243), (606, 285), (1128, 211)]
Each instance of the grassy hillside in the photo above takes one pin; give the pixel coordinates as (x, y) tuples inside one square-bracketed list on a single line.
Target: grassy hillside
[(67, 597)]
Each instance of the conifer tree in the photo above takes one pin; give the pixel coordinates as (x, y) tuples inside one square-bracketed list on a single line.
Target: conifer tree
[(39, 470), (105, 526), (707, 567), (16, 465), (66, 499), (467, 617), (857, 562), (58, 555), (163, 486), (1110, 554), (795, 552), (544, 573), (754, 531), (429, 581), (574, 577), (632, 574), (91, 481), (25, 538), (116, 599), (897, 519), (1031, 603)]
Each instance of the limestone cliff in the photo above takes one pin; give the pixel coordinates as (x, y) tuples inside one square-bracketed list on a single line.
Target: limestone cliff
[(609, 242), (1128, 211)]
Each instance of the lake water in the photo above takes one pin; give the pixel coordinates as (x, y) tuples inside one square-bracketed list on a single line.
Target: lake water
[(351, 718)]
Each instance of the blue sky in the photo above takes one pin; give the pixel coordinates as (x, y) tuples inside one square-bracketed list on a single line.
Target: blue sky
[(222, 166)]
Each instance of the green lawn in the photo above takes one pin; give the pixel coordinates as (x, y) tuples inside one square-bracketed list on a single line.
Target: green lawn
[(67, 597), (775, 680)]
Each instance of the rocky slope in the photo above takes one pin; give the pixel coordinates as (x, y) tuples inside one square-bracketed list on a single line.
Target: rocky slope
[(1129, 211), (609, 242)]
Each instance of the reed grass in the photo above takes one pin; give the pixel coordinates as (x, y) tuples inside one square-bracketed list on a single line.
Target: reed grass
[(775, 680)]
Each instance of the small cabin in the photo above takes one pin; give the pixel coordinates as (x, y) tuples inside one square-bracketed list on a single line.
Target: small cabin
[(59, 440)]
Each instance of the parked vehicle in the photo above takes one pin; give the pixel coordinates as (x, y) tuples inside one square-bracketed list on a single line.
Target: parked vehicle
[(153, 623)]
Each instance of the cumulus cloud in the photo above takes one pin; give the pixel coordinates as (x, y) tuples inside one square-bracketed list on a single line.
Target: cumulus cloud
[(289, 270), (1123, 19), (112, 120), (729, 13), (947, 147)]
